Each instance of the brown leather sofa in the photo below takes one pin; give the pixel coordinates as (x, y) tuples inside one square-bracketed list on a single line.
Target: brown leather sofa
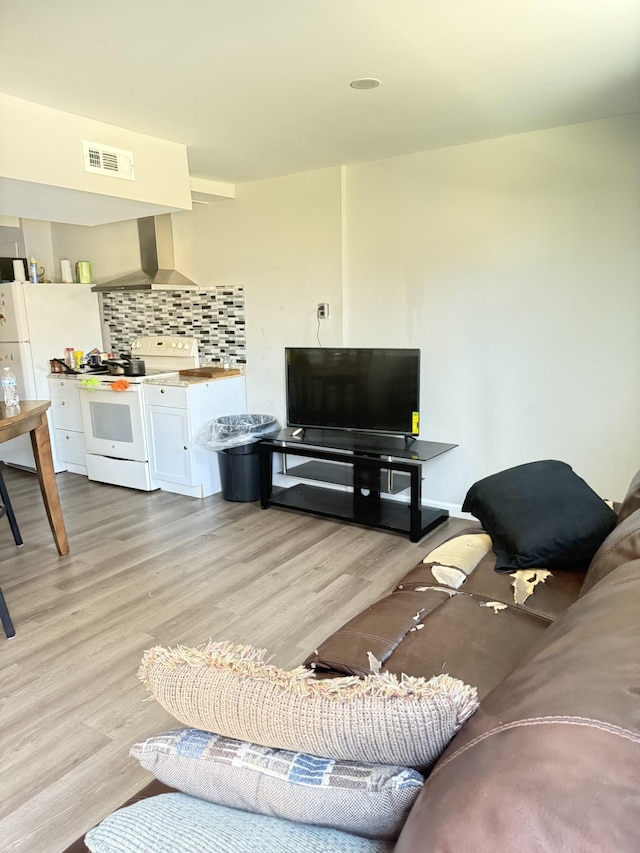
[(551, 759)]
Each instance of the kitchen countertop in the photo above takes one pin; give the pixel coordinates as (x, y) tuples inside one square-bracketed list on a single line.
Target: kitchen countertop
[(173, 379), (177, 379)]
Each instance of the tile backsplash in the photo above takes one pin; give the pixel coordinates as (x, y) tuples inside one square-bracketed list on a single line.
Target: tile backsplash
[(215, 317)]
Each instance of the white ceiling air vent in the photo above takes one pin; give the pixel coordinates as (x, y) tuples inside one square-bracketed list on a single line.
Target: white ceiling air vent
[(105, 160)]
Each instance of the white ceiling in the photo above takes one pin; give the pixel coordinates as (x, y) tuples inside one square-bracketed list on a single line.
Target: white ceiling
[(260, 88)]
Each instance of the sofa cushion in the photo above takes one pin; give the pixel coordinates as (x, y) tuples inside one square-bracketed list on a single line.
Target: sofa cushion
[(376, 631), (231, 690), (551, 759), (178, 823), (620, 546), (426, 573), (453, 561), (436, 631), (540, 514), (549, 599), (470, 639), (368, 799), (631, 501)]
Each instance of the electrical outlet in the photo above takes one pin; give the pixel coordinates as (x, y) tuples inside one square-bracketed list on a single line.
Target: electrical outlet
[(323, 310)]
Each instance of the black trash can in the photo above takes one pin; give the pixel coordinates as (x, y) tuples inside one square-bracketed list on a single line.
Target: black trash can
[(239, 472), (235, 438)]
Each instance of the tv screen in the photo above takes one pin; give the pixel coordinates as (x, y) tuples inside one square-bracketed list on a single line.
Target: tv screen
[(367, 390)]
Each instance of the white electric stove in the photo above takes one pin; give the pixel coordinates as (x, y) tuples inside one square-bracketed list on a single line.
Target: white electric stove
[(113, 417)]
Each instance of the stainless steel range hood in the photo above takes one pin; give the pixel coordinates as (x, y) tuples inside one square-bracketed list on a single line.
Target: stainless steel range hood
[(157, 263)]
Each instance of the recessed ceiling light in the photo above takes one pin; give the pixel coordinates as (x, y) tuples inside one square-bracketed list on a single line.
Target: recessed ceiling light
[(365, 83)]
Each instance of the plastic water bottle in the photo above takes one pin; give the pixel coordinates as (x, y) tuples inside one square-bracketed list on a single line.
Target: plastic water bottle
[(10, 387), (33, 270)]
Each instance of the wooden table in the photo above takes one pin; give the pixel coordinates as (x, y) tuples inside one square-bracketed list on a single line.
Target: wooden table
[(31, 416)]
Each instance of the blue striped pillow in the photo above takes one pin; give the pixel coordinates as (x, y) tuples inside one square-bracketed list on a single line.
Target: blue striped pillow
[(372, 800)]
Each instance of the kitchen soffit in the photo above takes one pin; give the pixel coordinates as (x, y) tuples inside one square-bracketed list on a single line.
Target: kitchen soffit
[(73, 207)]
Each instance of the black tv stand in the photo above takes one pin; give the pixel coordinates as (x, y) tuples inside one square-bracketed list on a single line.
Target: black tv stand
[(366, 458)]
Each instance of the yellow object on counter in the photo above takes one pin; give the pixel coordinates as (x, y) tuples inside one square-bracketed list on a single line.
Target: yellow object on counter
[(77, 358)]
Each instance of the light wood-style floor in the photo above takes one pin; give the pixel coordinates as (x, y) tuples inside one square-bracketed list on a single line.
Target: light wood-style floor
[(147, 569)]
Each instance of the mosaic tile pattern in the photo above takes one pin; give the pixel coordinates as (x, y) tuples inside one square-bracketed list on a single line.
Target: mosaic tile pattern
[(215, 317)]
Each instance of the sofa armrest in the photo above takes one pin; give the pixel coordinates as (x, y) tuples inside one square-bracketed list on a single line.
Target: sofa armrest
[(551, 759)]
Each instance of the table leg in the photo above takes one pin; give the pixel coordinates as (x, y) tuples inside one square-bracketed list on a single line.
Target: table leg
[(13, 524), (41, 444), (7, 624)]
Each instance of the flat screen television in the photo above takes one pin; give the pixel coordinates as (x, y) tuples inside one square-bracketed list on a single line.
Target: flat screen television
[(365, 390)]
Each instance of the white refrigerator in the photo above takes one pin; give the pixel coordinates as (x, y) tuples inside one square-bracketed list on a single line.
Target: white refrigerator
[(37, 322)]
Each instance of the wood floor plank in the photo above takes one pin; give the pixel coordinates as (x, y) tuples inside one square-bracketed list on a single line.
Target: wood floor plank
[(49, 752), (149, 569)]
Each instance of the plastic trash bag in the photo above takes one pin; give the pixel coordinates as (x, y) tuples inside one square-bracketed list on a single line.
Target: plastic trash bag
[(233, 430)]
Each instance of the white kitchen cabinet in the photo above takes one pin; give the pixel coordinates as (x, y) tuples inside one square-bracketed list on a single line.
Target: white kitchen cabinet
[(170, 451), (66, 420), (173, 414)]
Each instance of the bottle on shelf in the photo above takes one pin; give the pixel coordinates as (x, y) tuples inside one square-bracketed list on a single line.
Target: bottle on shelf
[(33, 270), (10, 387), (69, 358)]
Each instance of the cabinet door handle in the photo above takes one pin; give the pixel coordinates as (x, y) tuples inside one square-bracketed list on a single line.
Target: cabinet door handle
[(67, 437), (63, 403), (186, 447), (162, 390)]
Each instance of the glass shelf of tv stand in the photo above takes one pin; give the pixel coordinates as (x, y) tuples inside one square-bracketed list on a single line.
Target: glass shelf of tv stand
[(360, 444), (341, 474)]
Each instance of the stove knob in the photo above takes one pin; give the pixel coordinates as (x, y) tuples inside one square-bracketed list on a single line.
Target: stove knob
[(173, 344)]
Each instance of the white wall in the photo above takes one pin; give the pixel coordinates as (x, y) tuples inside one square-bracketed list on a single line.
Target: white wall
[(514, 265), (281, 239), (112, 249)]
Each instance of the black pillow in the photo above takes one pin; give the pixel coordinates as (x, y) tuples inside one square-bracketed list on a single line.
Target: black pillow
[(540, 514)]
